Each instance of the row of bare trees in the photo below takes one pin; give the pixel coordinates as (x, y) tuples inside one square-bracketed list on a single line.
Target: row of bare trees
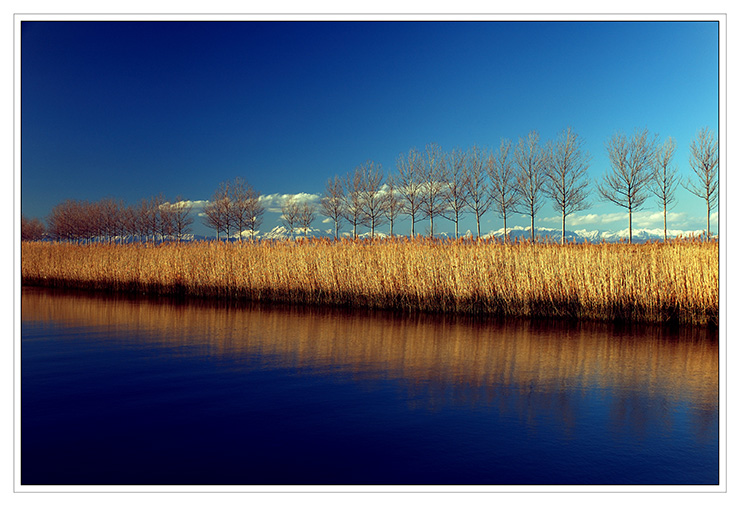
[(110, 220), (234, 207), (641, 167), (435, 184), (515, 178), (518, 178)]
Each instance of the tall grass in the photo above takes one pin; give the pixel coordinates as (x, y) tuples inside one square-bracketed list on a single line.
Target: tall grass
[(677, 281)]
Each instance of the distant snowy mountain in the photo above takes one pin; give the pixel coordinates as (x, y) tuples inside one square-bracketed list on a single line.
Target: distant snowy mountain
[(579, 236), (281, 232), (522, 233)]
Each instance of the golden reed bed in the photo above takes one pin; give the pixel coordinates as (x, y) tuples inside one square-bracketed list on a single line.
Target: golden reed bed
[(677, 281)]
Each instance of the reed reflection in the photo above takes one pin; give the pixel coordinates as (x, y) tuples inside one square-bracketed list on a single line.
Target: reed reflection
[(528, 369)]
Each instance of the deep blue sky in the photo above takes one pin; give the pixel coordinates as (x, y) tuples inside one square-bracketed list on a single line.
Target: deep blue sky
[(132, 109)]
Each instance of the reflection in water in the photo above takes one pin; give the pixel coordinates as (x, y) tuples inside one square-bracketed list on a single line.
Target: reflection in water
[(532, 369)]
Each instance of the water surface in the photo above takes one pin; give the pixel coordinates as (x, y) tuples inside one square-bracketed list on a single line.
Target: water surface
[(133, 391)]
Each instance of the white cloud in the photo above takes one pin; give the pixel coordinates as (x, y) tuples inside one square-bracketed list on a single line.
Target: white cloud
[(646, 219), (273, 202), (196, 205)]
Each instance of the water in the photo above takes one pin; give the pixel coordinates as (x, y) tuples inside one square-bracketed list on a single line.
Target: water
[(126, 391)]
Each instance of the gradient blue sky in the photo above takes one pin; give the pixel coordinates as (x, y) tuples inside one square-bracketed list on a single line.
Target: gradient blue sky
[(132, 109)]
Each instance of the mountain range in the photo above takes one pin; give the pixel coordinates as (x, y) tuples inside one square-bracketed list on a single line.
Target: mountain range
[(514, 233)]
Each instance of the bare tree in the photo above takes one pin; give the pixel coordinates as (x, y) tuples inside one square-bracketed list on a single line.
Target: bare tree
[(479, 195), (665, 179), (704, 161), (503, 181), (225, 201), (31, 229), (153, 217), (215, 213), (531, 162), (85, 221), (392, 205), (109, 218), (244, 206), (432, 188), (166, 226), (567, 181), (371, 199), (306, 215), (410, 179), (57, 223), (353, 199), (75, 221), (239, 201), (181, 218), (132, 221), (291, 211), (332, 203), (455, 190), (91, 221), (255, 209), (631, 160), (147, 221)]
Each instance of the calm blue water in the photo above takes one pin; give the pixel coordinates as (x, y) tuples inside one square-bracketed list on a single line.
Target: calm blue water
[(126, 391)]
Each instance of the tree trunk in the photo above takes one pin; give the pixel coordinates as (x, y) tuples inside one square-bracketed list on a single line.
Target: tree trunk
[(708, 208), (506, 237), (532, 228), (665, 223), (562, 237), (630, 215)]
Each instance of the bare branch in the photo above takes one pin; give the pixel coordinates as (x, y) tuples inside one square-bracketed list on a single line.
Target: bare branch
[(500, 171), (704, 161), (353, 199), (410, 180), (432, 186), (393, 206), (306, 215), (631, 160), (531, 163), (479, 197), (332, 203), (456, 188), (665, 179), (290, 213), (567, 179), (372, 200)]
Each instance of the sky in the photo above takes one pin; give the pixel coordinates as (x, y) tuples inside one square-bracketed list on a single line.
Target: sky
[(134, 109)]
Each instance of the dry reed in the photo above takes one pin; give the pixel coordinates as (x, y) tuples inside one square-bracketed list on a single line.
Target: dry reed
[(677, 281)]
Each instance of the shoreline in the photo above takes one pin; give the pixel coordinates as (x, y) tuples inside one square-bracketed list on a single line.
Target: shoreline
[(240, 303)]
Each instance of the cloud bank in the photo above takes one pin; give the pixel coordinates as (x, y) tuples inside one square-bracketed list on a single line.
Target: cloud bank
[(273, 202)]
